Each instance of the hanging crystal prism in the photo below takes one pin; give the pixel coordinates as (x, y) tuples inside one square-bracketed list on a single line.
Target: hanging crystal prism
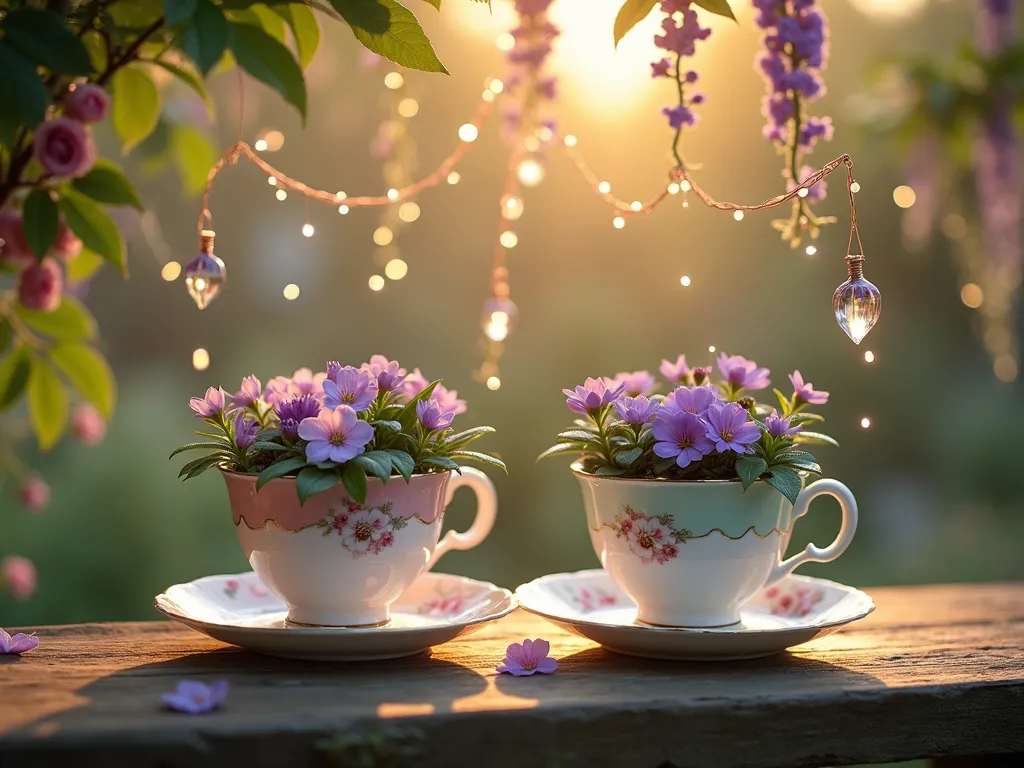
[(857, 303), (205, 274)]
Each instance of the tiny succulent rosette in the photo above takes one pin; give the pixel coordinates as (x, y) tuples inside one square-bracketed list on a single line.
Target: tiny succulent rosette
[(705, 427), (342, 425)]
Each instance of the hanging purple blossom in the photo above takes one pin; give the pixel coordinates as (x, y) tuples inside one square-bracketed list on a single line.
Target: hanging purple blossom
[(680, 33)]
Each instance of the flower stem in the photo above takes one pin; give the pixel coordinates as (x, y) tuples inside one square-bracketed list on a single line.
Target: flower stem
[(679, 130)]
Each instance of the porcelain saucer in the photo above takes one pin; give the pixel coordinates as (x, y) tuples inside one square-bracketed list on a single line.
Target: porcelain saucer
[(239, 609), (793, 611)]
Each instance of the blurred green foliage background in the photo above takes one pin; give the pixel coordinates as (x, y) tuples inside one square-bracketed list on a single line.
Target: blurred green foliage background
[(936, 474)]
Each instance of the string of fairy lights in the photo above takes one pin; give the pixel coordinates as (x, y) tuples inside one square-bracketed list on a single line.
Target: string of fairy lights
[(528, 138)]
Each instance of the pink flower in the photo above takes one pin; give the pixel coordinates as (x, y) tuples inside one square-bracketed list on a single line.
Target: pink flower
[(367, 531), (64, 147), (638, 383), (20, 643), (14, 247), (41, 285), (528, 658), (805, 391), (19, 575), (87, 103), (67, 246), (35, 494), (449, 400), (89, 425), (676, 372), (211, 405), (195, 698), (249, 393)]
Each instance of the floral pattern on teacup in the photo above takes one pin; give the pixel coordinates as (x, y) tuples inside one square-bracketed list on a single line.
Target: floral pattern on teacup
[(793, 601), (590, 600), (650, 537), (231, 588), (363, 530)]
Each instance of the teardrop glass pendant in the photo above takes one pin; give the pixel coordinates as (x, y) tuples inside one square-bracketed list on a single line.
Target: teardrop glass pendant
[(205, 274), (857, 303)]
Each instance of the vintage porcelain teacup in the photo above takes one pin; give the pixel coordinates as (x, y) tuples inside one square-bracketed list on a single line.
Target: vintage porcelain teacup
[(691, 553), (336, 562)]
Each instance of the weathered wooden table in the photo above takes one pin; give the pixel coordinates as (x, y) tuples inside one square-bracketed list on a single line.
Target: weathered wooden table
[(935, 671)]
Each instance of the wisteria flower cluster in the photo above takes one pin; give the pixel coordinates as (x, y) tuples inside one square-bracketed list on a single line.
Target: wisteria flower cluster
[(336, 426), (703, 429), (680, 32), (795, 51)]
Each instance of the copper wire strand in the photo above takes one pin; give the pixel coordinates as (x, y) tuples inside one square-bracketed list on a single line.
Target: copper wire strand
[(679, 174), (242, 149)]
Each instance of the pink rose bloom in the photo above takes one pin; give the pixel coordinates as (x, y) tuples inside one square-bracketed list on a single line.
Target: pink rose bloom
[(89, 425), (41, 285), (13, 245), (19, 575), (87, 103), (64, 147), (67, 246), (35, 494)]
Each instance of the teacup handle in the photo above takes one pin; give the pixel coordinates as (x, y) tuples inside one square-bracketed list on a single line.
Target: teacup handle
[(848, 528), (486, 512)]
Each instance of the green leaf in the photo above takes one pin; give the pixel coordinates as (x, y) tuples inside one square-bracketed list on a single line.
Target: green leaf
[(191, 80), (312, 481), (89, 371), (805, 417), (42, 37), (177, 11), (814, 437), (402, 461), (206, 38), (83, 266), (95, 228), (47, 403), (6, 334), (196, 467), (391, 426), (305, 29), (483, 458), (625, 458), (437, 3), (23, 97), (70, 321), (786, 481), (135, 14), (15, 369), (609, 472), (270, 62), (390, 30), (717, 7), (196, 447), (280, 469), (630, 14), (377, 463), (441, 461), (41, 221), (266, 435), (560, 448), (106, 183), (194, 153), (264, 18), (263, 445), (96, 47), (136, 105), (749, 468), (354, 478), (784, 404), (462, 438), (580, 436)]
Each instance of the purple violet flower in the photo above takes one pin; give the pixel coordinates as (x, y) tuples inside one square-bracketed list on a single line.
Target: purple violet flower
[(636, 383), (741, 372), (678, 116), (196, 698), (309, 383), (333, 366), (16, 644), (661, 68), (211, 405), (730, 429), (245, 431), (352, 387), (805, 391), (676, 372), (694, 400), (682, 436), (415, 383), (780, 427), (527, 658), (432, 416), (636, 410), (336, 434), (292, 412), (250, 392), (389, 374), (701, 374), (449, 400), (592, 395)]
